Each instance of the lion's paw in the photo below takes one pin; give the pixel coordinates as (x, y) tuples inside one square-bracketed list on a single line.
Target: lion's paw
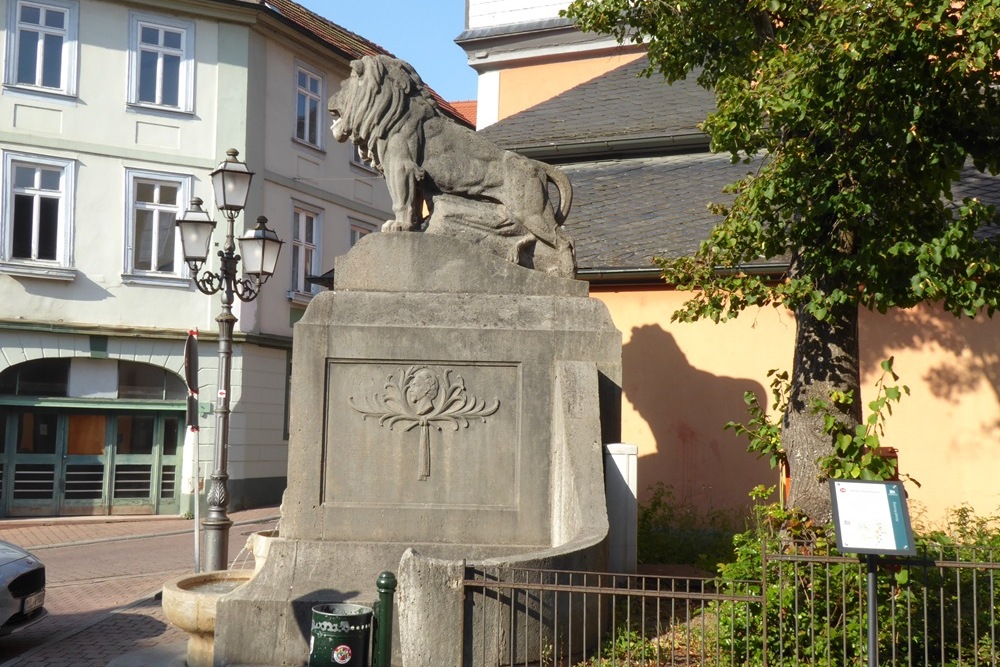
[(396, 226)]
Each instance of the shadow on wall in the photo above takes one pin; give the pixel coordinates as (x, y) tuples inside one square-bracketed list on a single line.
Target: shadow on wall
[(971, 343), (686, 410)]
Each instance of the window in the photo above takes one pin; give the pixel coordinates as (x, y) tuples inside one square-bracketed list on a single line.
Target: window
[(42, 51), (138, 380), (358, 159), (308, 106), (37, 225), (38, 377), (51, 377), (161, 64), (154, 202), (305, 249), (359, 230)]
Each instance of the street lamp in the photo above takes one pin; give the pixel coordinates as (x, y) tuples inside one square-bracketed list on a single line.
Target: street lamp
[(259, 250)]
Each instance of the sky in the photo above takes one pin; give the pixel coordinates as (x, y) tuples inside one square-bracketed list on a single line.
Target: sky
[(422, 33)]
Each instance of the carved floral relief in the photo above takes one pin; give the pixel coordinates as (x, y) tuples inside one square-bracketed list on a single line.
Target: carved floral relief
[(420, 397)]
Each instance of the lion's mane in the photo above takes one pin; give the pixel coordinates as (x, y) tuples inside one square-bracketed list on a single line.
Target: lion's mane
[(386, 93), (445, 178)]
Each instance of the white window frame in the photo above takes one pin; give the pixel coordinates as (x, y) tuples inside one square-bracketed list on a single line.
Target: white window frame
[(179, 277), (68, 54), (300, 289), (185, 74), (318, 121), (61, 268), (358, 230)]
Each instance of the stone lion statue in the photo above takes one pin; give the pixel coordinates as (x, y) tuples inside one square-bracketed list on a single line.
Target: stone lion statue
[(472, 189)]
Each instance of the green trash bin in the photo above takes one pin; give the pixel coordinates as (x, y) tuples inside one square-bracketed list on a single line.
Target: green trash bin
[(340, 635)]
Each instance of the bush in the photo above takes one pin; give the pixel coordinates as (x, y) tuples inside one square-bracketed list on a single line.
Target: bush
[(815, 611), (669, 531)]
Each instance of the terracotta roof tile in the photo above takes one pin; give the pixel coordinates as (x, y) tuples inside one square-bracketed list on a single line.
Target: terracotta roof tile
[(467, 108)]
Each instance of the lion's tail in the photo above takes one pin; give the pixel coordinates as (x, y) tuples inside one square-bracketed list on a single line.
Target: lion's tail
[(565, 188)]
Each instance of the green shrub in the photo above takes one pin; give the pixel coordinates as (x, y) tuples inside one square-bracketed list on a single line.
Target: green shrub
[(678, 533), (816, 613)]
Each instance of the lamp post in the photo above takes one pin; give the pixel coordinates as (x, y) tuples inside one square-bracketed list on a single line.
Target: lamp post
[(259, 251)]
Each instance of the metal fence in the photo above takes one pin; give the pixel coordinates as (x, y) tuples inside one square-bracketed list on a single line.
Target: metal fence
[(805, 607)]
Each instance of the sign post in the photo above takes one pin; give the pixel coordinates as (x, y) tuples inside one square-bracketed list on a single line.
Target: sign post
[(872, 519), (191, 441)]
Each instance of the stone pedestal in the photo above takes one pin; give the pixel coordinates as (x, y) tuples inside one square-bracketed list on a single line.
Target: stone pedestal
[(445, 401)]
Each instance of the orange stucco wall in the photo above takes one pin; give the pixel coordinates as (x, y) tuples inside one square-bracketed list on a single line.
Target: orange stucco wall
[(948, 429), (525, 86), (683, 382)]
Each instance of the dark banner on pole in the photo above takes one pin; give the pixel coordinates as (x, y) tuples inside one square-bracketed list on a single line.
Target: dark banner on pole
[(191, 378)]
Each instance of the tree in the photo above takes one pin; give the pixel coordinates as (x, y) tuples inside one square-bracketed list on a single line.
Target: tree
[(856, 119)]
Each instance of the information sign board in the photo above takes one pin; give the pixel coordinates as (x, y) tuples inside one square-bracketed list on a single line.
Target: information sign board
[(871, 517)]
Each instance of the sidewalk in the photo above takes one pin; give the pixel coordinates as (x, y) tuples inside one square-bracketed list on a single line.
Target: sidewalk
[(105, 574), (49, 532)]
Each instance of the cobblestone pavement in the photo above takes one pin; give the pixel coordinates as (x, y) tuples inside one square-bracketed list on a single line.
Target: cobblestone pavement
[(103, 579)]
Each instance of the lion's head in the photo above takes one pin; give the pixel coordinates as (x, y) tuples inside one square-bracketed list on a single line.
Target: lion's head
[(380, 93)]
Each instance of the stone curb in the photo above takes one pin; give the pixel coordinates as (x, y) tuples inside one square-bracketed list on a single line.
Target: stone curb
[(40, 522)]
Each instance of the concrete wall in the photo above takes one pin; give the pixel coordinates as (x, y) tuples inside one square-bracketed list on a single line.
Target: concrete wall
[(683, 382)]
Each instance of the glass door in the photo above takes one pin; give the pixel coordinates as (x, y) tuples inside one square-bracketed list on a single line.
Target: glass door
[(84, 474), (35, 474), (146, 467), (170, 468), (81, 461), (134, 473), (5, 454)]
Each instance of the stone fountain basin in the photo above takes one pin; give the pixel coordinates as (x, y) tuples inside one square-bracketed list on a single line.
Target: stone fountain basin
[(259, 544), (189, 603)]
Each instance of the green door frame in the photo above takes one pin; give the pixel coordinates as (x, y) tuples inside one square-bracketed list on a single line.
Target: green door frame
[(51, 468)]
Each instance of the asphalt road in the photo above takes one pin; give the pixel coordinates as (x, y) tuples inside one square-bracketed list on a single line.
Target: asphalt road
[(100, 598)]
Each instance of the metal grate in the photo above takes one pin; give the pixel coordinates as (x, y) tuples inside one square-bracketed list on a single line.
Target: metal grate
[(133, 481), (84, 481), (168, 481), (34, 481)]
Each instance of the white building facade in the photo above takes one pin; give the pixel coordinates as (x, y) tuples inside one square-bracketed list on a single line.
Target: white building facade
[(113, 116)]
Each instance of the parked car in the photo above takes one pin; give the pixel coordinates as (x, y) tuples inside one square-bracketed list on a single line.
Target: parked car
[(22, 588)]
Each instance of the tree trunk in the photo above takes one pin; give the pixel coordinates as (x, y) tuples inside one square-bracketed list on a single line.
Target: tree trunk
[(826, 359)]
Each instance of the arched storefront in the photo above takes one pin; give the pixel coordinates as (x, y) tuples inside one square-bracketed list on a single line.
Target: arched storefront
[(90, 436)]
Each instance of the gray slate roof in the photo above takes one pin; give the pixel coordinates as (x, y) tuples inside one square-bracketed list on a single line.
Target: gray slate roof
[(628, 211), (621, 104), (643, 177)]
